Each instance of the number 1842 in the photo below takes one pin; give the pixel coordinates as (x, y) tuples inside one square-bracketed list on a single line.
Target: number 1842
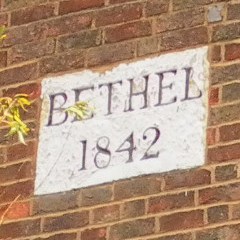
[(103, 156)]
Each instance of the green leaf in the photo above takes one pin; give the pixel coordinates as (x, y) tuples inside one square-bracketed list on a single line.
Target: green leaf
[(24, 130), (12, 131), (22, 101), (21, 95), (17, 119), (10, 113), (79, 109), (2, 33), (21, 138), (76, 111)]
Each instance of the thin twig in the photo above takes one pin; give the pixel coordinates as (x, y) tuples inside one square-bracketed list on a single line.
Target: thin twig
[(11, 105), (8, 109), (8, 208)]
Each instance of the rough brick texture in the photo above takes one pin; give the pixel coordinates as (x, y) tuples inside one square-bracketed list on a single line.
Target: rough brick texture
[(52, 37)]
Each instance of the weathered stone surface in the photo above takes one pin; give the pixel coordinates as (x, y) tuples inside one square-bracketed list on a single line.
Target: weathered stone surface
[(137, 118)]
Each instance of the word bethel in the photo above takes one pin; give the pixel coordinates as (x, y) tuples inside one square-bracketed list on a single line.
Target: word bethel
[(155, 85), (149, 117)]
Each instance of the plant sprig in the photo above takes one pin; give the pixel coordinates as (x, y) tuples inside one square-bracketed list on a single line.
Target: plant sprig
[(11, 114), (80, 110), (3, 34), (11, 109)]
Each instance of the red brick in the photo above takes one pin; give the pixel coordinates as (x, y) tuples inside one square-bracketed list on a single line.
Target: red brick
[(84, 39), (220, 194), (118, 14), (190, 178), (3, 157), (15, 172), (16, 211), (156, 7), (181, 221), (230, 92), (4, 19), (224, 74), (230, 232), (32, 89), (32, 13), (77, 5), (50, 28), (211, 136), (96, 234), (4, 140), (3, 59), (96, 195), (184, 38), (106, 214), (233, 11), (137, 187), (127, 31), (147, 46), (66, 221), (226, 32), (224, 114), (62, 62), (217, 214), (180, 4), (31, 114), (119, 1), (171, 202), (55, 203), (133, 209), (214, 96), (12, 4), (20, 229), (223, 153), (187, 236), (10, 192), (236, 211), (28, 51), (62, 236), (20, 151), (215, 53), (179, 20), (232, 51), (24, 73), (137, 228), (230, 132), (110, 53), (225, 173)]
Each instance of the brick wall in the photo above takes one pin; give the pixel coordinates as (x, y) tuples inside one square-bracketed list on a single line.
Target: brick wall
[(49, 37)]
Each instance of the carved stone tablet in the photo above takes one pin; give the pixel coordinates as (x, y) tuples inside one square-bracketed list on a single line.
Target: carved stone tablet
[(149, 116)]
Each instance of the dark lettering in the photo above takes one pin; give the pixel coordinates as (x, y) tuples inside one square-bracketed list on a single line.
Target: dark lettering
[(130, 149), (59, 109), (77, 98), (132, 94), (110, 93), (84, 148), (102, 150), (187, 86), (147, 155), (161, 87)]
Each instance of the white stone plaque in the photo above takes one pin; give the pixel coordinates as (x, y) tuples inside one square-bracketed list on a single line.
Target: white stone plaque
[(149, 116)]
